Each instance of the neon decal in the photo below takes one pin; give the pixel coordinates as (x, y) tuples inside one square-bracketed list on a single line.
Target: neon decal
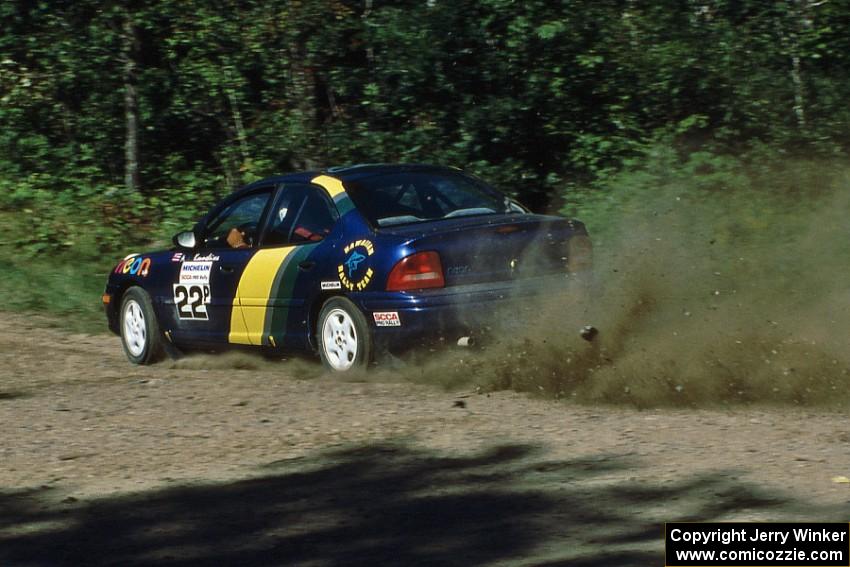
[(134, 266)]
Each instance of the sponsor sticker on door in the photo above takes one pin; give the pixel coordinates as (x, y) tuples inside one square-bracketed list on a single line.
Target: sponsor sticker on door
[(386, 319), (195, 272)]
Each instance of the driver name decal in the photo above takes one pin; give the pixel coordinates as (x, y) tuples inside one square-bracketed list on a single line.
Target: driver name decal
[(207, 258), (354, 272)]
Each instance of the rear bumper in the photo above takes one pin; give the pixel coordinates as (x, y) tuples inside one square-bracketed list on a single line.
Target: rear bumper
[(453, 312)]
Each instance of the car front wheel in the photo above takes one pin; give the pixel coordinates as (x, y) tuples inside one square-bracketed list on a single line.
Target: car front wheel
[(345, 342), (140, 335)]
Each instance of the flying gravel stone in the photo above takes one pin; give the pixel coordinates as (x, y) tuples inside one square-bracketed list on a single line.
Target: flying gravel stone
[(588, 333)]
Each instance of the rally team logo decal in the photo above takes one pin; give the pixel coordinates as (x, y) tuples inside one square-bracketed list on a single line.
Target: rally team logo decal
[(354, 272)]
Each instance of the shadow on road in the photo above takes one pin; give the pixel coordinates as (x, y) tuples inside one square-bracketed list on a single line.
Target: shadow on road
[(386, 505)]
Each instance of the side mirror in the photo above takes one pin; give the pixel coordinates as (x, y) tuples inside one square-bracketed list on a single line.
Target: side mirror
[(185, 239)]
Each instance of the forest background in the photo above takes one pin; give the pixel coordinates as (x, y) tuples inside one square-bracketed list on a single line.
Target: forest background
[(120, 123)]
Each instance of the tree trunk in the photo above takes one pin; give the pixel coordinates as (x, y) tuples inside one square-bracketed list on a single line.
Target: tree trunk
[(236, 114), (802, 13), (797, 81), (129, 52), (303, 97), (370, 51)]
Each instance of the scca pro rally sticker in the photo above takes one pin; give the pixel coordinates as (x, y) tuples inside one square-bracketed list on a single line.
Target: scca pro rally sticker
[(191, 301), (354, 272), (386, 319)]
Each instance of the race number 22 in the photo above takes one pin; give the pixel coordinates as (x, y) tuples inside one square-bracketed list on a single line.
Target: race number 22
[(191, 301)]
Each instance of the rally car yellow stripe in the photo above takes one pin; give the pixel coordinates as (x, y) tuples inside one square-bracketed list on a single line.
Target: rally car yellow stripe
[(331, 184), (248, 317)]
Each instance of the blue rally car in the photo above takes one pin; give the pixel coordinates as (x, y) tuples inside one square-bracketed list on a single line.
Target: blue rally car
[(347, 262)]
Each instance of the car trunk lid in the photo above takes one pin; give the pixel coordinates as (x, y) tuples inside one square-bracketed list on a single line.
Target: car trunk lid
[(494, 248)]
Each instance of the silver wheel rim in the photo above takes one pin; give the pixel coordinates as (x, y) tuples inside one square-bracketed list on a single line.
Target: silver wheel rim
[(135, 331), (339, 339)]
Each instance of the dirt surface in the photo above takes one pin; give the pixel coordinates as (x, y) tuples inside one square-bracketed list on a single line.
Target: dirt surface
[(207, 463)]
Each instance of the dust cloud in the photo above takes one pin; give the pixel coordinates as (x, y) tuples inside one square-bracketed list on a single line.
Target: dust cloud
[(698, 302)]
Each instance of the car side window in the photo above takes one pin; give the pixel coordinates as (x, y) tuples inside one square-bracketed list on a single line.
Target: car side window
[(237, 225), (303, 213)]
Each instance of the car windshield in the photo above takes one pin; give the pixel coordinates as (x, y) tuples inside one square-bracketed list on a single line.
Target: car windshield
[(411, 197)]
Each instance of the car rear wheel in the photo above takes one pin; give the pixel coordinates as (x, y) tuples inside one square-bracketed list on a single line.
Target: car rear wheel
[(140, 335), (345, 342)]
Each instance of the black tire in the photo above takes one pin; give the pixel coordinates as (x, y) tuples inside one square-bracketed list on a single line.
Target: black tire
[(350, 345), (140, 334)]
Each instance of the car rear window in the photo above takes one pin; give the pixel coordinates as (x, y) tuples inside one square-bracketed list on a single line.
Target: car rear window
[(411, 197)]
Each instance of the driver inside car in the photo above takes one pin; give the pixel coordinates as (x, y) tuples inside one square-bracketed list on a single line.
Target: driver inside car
[(237, 238)]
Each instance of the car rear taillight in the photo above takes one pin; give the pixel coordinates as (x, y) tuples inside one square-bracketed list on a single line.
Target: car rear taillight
[(579, 255), (417, 271)]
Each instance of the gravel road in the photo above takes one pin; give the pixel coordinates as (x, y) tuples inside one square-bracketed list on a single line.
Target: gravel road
[(233, 460)]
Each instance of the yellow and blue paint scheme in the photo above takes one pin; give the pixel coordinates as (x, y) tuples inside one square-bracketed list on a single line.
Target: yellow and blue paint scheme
[(270, 296)]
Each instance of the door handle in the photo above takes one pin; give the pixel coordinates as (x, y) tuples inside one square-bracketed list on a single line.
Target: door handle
[(226, 269), (306, 265)]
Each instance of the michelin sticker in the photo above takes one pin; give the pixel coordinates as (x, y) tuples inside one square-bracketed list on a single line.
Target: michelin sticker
[(191, 301), (354, 272), (195, 272), (386, 319), (331, 285)]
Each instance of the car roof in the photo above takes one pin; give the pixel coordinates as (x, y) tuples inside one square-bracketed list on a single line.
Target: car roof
[(350, 173), (363, 170)]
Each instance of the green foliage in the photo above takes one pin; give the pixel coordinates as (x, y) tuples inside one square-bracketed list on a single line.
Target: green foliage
[(66, 286), (535, 91), (594, 108), (44, 216)]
